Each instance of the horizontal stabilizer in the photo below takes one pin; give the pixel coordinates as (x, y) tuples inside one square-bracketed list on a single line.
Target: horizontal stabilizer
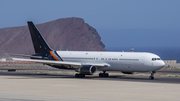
[(37, 57)]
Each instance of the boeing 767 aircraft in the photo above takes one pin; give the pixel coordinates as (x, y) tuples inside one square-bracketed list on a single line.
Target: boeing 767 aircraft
[(89, 62)]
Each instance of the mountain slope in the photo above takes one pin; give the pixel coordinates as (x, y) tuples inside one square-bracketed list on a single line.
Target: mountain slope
[(61, 34)]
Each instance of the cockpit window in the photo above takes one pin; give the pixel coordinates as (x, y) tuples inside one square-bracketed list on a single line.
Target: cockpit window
[(158, 59), (153, 59)]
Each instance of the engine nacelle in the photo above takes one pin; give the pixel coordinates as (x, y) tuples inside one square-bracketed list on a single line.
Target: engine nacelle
[(88, 70)]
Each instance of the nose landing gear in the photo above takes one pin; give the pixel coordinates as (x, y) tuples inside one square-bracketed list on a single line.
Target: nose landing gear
[(152, 75)]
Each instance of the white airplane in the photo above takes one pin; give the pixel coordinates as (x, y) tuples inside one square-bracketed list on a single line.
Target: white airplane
[(89, 62)]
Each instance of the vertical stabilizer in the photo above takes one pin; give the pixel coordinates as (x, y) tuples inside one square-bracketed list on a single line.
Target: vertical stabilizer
[(40, 45)]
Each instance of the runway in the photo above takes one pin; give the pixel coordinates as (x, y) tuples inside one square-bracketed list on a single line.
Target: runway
[(53, 87)]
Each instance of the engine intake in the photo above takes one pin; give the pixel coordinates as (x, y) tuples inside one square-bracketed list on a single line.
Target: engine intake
[(88, 70)]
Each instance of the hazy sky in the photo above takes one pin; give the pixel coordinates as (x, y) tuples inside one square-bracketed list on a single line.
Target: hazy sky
[(110, 14), (100, 14)]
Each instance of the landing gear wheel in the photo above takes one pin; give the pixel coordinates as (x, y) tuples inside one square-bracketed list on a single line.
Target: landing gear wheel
[(100, 75), (151, 78), (82, 75), (104, 74), (76, 75), (79, 75), (152, 75)]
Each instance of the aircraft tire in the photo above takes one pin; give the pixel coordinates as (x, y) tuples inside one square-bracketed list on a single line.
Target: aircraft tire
[(76, 75), (79, 75), (100, 75), (103, 74), (106, 75), (151, 78), (82, 75)]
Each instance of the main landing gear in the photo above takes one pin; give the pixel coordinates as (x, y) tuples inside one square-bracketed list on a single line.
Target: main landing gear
[(104, 74), (152, 75), (79, 75)]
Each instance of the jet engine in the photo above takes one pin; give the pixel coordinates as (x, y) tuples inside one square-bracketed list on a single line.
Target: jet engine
[(88, 70)]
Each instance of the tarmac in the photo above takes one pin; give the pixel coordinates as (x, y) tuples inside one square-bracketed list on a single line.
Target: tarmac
[(62, 87)]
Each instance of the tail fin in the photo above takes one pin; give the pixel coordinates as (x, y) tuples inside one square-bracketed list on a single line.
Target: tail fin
[(40, 45)]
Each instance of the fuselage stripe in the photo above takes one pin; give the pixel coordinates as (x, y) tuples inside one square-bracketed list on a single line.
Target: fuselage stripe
[(53, 56), (58, 56)]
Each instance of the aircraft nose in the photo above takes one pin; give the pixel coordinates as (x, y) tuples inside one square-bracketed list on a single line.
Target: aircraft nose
[(161, 64)]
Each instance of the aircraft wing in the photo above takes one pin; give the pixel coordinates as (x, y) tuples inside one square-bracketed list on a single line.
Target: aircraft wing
[(51, 62)]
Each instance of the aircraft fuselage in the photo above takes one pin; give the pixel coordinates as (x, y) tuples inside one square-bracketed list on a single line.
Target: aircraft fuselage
[(121, 61)]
